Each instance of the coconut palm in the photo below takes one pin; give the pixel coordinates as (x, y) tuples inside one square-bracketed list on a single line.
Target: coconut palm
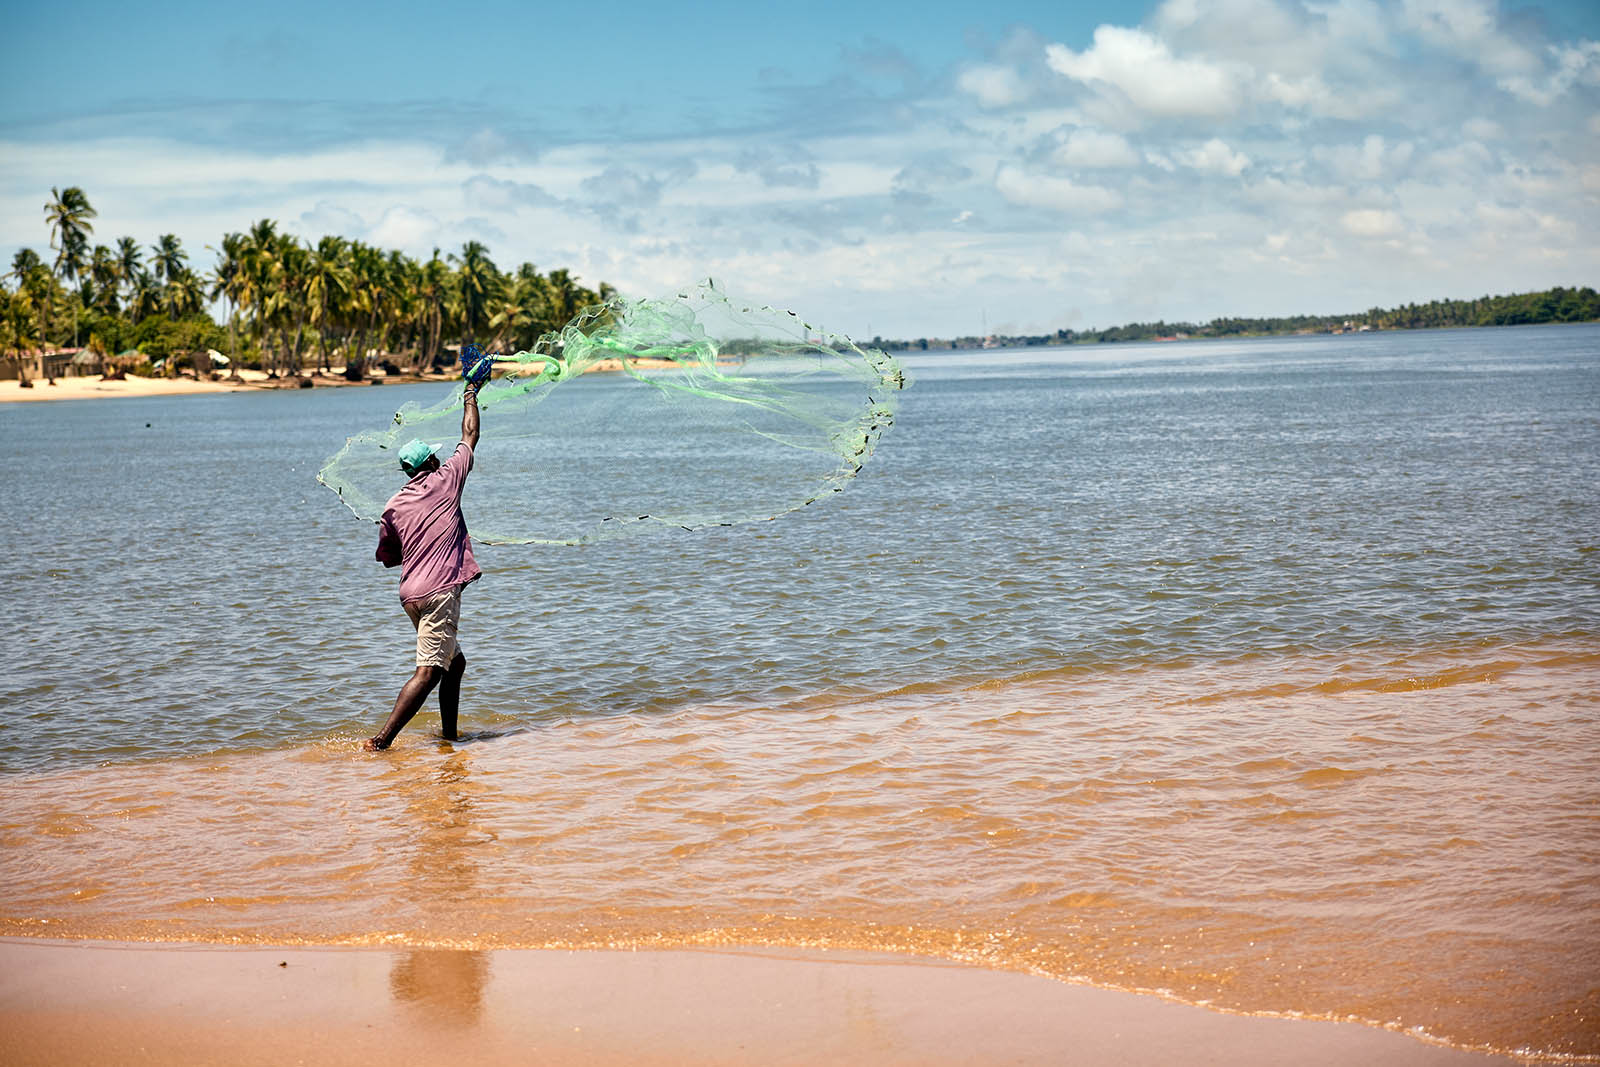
[(144, 299), (68, 214), (478, 283), (184, 294), (129, 262), (168, 258), (328, 282), (401, 306), (103, 273), (227, 282), (288, 305), (259, 263), (433, 293), (23, 264)]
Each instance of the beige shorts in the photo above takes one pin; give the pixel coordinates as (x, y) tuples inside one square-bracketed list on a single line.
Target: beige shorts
[(436, 618)]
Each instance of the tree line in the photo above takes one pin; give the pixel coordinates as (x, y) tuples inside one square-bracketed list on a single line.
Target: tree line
[(1550, 305), (336, 303)]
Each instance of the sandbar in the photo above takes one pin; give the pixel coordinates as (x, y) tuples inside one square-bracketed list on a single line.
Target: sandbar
[(70, 1002)]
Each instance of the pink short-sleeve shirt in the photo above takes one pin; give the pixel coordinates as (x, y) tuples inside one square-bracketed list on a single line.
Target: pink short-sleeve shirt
[(422, 529)]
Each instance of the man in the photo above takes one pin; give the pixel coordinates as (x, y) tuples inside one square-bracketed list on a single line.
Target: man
[(422, 532)]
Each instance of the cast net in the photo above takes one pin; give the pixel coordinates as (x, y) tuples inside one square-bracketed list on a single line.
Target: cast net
[(704, 412)]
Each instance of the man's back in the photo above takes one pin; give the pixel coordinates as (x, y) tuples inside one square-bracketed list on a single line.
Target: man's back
[(423, 530)]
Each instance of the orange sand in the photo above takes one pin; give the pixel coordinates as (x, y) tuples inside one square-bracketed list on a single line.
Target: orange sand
[(95, 1002)]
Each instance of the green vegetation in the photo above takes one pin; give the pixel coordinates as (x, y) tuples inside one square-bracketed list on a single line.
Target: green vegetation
[(337, 304), (1552, 305)]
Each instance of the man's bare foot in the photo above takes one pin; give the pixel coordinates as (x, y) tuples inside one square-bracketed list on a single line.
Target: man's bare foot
[(372, 744)]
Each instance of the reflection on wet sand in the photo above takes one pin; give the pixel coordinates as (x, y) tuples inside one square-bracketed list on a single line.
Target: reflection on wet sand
[(445, 985)]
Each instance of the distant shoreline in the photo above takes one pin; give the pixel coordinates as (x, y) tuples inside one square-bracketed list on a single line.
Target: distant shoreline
[(1551, 306)]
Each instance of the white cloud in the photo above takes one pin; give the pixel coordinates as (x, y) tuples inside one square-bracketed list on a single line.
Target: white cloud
[(1574, 64), (1371, 222), (992, 85), (1355, 23), (1143, 70), (1057, 194), (406, 227), (1454, 163), (1087, 147), (1215, 157), (1370, 161), (1469, 28)]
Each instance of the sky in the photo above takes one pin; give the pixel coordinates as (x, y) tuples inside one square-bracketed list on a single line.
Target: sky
[(901, 169)]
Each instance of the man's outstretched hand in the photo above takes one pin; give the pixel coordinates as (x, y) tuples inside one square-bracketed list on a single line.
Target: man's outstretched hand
[(476, 367)]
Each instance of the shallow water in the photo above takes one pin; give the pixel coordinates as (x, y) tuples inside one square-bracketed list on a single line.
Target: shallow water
[(1263, 673)]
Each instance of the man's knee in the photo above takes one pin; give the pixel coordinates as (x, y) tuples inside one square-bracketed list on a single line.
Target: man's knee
[(429, 674)]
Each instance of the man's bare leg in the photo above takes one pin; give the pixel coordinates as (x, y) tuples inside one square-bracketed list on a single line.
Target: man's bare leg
[(450, 696), (412, 694)]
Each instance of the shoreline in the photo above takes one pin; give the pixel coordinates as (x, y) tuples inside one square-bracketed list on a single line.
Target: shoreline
[(81, 1002), (95, 387)]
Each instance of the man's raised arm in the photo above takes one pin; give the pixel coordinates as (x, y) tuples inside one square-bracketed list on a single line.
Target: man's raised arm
[(469, 416)]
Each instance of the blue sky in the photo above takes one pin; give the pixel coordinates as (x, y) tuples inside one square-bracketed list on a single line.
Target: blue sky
[(894, 168)]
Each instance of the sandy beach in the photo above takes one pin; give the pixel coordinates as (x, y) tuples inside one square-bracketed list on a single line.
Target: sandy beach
[(92, 387), (97, 1002)]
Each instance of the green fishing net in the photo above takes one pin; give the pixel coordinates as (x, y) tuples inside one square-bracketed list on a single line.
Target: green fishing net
[(688, 411)]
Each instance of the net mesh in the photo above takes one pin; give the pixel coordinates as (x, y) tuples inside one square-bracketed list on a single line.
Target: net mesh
[(713, 412)]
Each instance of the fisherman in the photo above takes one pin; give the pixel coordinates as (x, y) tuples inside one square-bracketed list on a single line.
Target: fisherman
[(423, 532)]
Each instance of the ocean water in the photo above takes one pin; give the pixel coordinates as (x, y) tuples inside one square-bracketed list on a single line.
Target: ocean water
[(1262, 674)]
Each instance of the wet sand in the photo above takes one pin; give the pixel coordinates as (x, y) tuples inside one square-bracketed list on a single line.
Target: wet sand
[(97, 1002)]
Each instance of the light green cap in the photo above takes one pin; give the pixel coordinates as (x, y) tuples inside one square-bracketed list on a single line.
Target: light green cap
[(415, 454)]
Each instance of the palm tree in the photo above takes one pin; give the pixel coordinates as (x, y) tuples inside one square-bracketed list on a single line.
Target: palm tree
[(128, 262), (410, 307), (34, 298), (184, 294), (144, 299), (328, 281), (433, 292), (259, 262), (68, 214), (168, 257), (23, 264), (227, 280), (566, 296), (478, 282), (103, 272), (286, 303)]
